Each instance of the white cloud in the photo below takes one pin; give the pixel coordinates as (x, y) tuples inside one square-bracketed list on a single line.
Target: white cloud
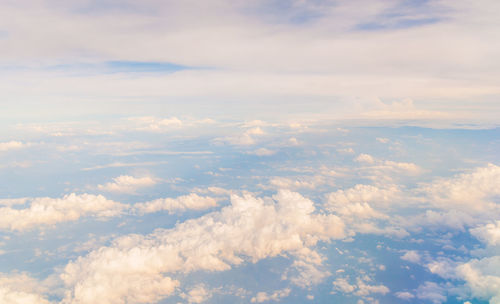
[(45, 211), (342, 285), (404, 295), (365, 158), (360, 288), (302, 182), (382, 140), (482, 277), (135, 269), (275, 296), (197, 294), (157, 124), (444, 267), (489, 233), (432, 292), (12, 145), (472, 192), (379, 168), (19, 288), (411, 256), (365, 289), (349, 151), (247, 138), (347, 201), (128, 184), (454, 219), (263, 152), (181, 203)]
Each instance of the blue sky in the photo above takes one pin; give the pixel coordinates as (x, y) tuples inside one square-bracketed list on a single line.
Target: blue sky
[(249, 152)]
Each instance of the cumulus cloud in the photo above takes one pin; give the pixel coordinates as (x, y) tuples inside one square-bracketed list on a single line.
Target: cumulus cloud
[(458, 202), (47, 211), (356, 200), (360, 288), (342, 285), (365, 289), (365, 158), (489, 233), (181, 203), (404, 295), (197, 294), (20, 288), (454, 219), (12, 145), (411, 256), (127, 184), (380, 167), (138, 269), (301, 182), (156, 124), (366, 208), (432, 292), (482, 277), (263, 152), (247, 138), (274, 296), (471, 192)]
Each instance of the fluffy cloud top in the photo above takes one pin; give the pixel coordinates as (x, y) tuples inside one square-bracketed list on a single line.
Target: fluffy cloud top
[(489, 234), (472, 192), (482, 277), (350, 200), (181, 203), (138, 269), (19, 288), (127, 184), (275, 296), (49, 211), (12, 145)]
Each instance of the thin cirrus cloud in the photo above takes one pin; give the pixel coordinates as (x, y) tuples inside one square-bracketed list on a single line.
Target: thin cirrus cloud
[(285, 62)]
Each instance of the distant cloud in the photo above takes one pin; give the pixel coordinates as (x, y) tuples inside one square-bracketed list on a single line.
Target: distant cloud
[(47, 211), (411, 256), (262, 152), (472, 192), (128, 184), (274, 296), (365, 158), (404, 295), (12, 145), (248, 137), (361, 288), (198, 294), (179, 204), (489, 233), (20, 288), (379, 168), (142, 265)]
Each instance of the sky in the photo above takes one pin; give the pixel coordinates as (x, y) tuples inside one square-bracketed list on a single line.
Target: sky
[(278, 151)]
